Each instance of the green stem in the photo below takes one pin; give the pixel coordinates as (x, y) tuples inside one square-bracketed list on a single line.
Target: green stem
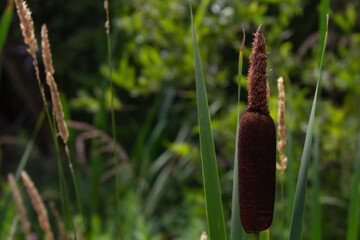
[(256, 236), (113, 120)]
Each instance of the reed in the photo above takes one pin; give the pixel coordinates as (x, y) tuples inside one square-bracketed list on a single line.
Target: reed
[(257, 148)]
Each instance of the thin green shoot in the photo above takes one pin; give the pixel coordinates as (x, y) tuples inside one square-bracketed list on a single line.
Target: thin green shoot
[(236, 227), (107, 26)]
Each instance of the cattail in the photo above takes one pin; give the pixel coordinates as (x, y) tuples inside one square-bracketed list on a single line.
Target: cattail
[(55, 98), (203, 236), (257, 147), (19, 206), (281, 127), (27, 26), (38, 205), (59, 222)]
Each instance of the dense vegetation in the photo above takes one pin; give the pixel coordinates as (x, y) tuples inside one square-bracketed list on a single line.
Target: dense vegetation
[(161, 191)]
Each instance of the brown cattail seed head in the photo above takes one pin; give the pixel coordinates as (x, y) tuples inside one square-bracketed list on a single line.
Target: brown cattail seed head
[(257, 80), (257, 148)]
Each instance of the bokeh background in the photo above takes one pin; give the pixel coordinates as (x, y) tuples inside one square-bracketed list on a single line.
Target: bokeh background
[(155, 106)]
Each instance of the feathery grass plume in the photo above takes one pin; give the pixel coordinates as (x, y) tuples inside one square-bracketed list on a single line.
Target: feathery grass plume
[(55, 98), (27, 26), (59, 222), (203, 236), (38, 205), (107, 23), (46, 51), (13, 227), (281, 127), (257, 147), (19, 206)]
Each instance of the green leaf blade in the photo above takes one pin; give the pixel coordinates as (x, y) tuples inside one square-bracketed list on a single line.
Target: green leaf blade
[(213, 201), (353, 217), (5, 23), (299, 204), (236, 227)]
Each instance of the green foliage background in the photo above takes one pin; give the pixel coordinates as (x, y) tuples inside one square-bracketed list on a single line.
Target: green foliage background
[(153, 74)]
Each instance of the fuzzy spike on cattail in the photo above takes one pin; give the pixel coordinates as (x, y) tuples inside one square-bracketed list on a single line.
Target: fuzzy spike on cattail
[(257, 147)]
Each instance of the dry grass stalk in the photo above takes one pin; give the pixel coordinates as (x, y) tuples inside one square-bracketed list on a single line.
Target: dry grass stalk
[(46, 52), (27, 26), (203, 236), (13, 227), (281, 127), (59, 222), (19, 206), (38, 205), (107, 24), (55, 98), (59, 114)]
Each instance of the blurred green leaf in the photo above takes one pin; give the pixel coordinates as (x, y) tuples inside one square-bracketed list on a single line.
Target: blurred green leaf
[(214, 209), (5, 23)]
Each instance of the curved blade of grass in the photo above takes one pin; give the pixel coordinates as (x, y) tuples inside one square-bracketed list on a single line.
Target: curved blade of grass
[(353, 217), (315, 207), (5, 23), (299, 204), (214, 207), (236, 227)]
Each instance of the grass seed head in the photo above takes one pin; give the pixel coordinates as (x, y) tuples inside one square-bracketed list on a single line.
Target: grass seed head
[(38, 205), (19, 206), (27, 26), (281, 127), (257, 148)]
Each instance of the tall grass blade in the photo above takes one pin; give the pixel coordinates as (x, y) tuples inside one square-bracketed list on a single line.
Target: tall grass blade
[(353, 217), (5, 23), (299, 204), (236, 227), (290, 175), (315, 207), (214, 209)]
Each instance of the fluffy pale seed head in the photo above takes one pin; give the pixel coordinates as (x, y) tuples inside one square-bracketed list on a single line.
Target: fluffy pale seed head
[(19, 206), (107, 24), (257, 80), (46, 51), (281, 126), (203, 236), (38, 205), (27, 26), (59, 114)]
